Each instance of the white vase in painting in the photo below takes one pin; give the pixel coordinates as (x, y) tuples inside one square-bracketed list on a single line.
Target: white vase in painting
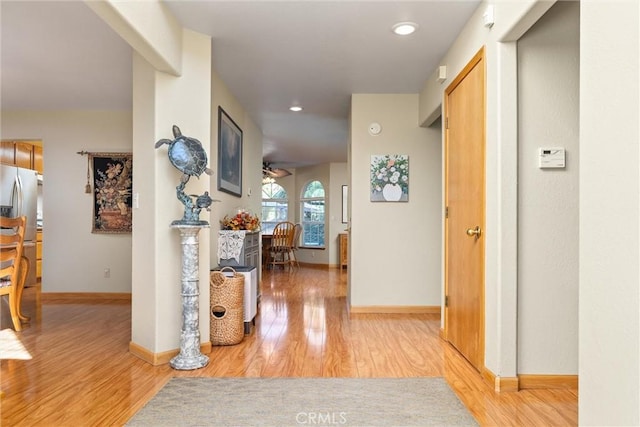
[(392, 192)]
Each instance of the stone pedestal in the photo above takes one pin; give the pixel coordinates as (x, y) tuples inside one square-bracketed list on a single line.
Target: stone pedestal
[(190, 356)]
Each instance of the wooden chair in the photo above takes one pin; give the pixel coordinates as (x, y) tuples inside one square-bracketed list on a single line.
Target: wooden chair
[(296, 242), (281, 249), (13, 265), (266, 250)]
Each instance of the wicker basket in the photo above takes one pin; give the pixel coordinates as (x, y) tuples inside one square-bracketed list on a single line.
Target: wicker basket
[(227, 307)]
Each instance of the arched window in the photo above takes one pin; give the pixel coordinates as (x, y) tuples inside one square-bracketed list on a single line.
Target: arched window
[(312, 214), (275, 206)]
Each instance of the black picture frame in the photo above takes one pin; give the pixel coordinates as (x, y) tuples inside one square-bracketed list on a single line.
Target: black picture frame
[(229, 155)]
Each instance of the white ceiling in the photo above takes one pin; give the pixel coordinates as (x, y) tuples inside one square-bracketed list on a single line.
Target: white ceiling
[(271, 54)]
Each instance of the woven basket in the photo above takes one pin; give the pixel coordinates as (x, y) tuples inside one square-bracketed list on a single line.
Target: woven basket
[(227, 307)]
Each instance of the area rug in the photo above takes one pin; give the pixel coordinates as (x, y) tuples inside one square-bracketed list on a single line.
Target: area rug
[(304, 402)]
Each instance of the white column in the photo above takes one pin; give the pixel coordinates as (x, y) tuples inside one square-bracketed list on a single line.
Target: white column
[(190, 356), (609, 306)]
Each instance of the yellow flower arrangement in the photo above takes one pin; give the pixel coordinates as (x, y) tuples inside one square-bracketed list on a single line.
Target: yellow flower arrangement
[(243, 220)]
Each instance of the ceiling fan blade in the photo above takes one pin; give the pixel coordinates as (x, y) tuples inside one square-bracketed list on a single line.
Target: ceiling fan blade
[(280, 173), (274, 172), (270, 172)]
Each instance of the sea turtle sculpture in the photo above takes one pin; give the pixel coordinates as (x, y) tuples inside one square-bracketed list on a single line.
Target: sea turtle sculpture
[(204, 201), (186, 154)]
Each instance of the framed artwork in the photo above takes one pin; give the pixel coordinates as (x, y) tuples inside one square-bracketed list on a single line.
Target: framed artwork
[(345, 204), (389, 178), (112, 184), (229, 155)]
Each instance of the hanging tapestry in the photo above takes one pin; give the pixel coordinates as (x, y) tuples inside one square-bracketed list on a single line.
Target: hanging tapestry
[(112, 197)]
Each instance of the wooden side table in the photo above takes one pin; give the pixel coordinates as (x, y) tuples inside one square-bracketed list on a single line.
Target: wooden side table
[(344, 249)]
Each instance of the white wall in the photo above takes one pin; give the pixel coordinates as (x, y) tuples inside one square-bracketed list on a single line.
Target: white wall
[(395, 246), (74, 259), (161, 100), (304, 176), (548, 78), (333, 176), (338, 172), (609, 213), (251, 199), (512, 19)]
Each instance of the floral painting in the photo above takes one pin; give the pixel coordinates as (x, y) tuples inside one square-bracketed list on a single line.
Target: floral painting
[(389, 178), (112, 182)]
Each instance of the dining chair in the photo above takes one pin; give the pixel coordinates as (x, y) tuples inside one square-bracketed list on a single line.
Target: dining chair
[(266, 250), (281, 249), (296, 242), (13, 268)]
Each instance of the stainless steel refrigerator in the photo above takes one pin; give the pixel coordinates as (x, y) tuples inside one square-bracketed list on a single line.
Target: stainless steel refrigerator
[(19, 196)]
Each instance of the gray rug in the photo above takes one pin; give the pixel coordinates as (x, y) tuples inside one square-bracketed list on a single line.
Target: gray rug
[(304, 402)]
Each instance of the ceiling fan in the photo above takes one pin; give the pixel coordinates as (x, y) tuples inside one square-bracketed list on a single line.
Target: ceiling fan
[(270, 171)]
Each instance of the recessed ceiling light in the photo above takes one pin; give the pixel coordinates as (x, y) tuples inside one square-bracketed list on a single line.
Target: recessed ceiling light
[(295, 108), (404, 28)]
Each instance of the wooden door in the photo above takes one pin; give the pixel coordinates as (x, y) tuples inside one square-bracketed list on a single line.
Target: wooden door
[(465, 200)]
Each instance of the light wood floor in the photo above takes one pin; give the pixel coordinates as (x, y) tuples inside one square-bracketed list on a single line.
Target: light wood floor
[(82, 374)]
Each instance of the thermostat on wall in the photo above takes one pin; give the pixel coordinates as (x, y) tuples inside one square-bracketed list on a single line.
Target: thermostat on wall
[(375, 128), (551, 157)]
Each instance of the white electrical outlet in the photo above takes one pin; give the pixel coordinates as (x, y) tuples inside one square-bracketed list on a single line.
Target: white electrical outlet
[(107, 273)]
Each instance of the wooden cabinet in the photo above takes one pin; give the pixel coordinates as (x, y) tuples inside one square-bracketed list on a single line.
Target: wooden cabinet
[(344, 249), (252, 249), (39, 255), (37, 159), (8, 153), (24, 154)]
